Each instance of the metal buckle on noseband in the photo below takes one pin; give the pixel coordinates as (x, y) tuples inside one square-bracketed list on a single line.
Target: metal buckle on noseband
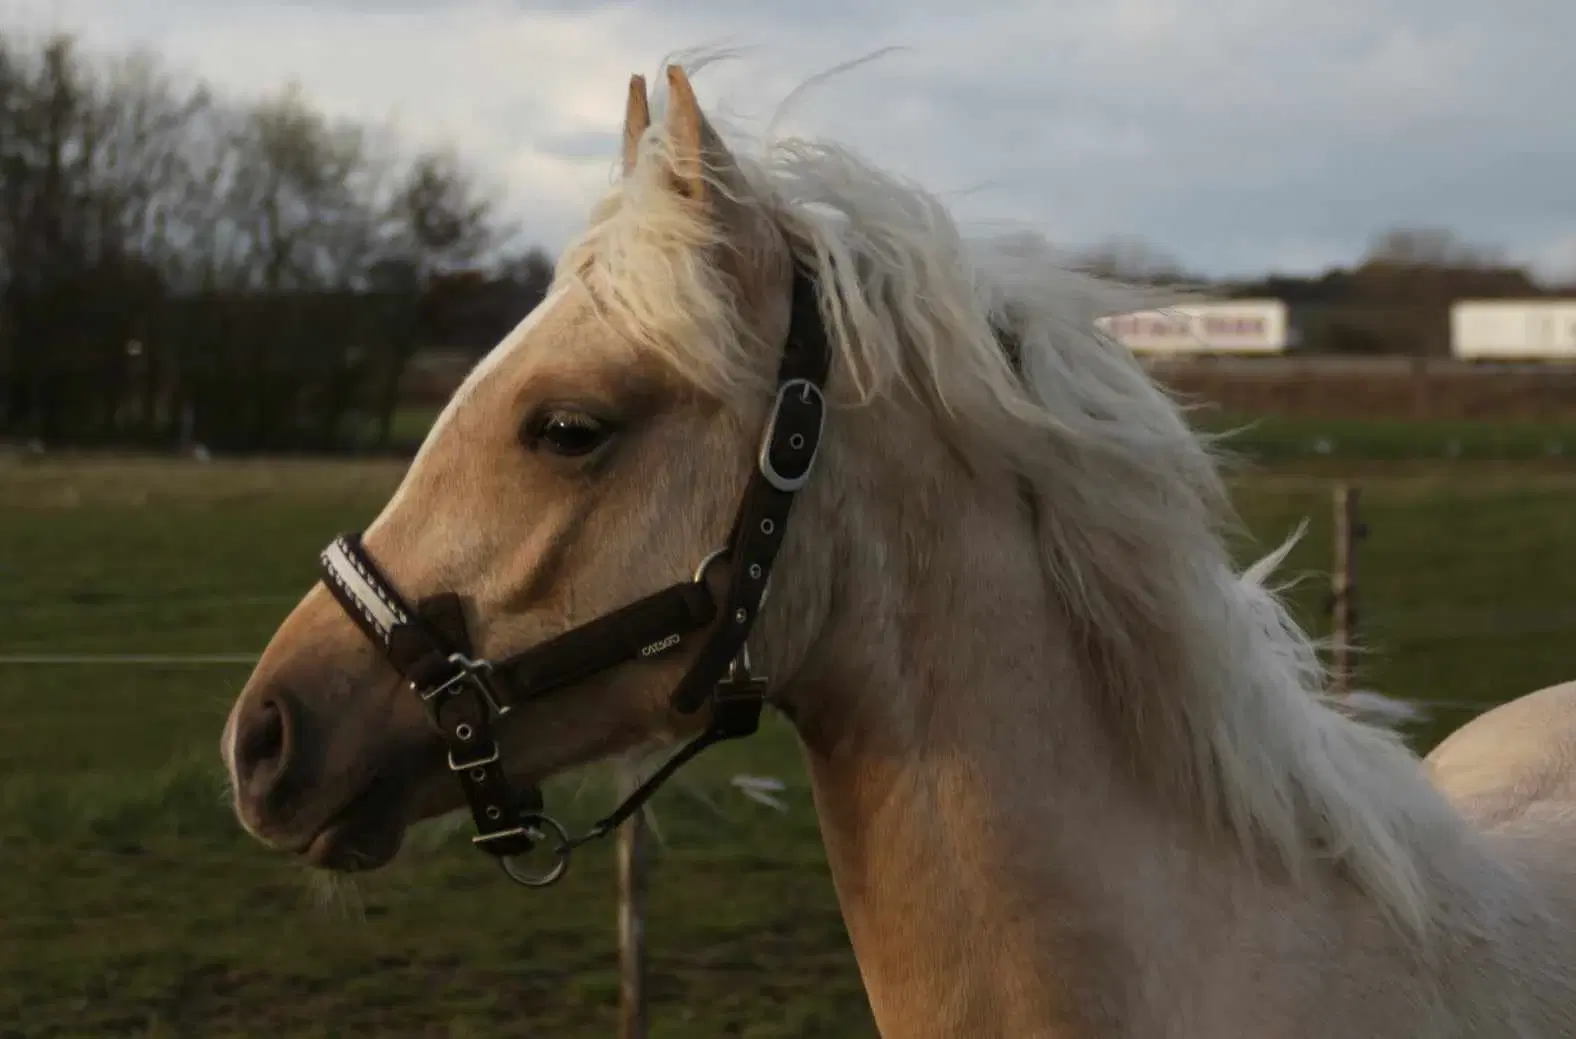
[(474, 673)]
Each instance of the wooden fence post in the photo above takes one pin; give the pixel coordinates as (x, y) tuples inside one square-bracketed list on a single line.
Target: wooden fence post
[(633, 865), (1349, 529)]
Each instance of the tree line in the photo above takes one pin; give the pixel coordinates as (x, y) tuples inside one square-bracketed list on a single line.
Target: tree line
[(178, 268)]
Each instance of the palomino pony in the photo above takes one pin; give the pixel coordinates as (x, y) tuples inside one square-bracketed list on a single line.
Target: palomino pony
[(1075, 775)]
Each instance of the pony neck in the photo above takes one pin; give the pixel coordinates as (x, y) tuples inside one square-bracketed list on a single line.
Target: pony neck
[(1001, 866), (954, 760)]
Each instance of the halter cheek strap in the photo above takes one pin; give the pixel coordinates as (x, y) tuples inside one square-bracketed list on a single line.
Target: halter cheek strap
[(429, 646)]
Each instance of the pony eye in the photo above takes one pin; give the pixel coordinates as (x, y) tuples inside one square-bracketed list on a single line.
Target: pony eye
[(568, 433)]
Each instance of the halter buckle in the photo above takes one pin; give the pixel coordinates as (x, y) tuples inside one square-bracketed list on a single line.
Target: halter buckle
[(472, 672), (466, 766), (786, 465)]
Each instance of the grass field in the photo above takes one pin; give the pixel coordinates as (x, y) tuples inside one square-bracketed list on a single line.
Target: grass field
[(132, 906), (1281, 439), (1285, 438)]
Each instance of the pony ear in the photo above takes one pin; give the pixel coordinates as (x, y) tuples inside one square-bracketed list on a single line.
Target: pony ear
[(637, 118), (703, 170), (699, 158)]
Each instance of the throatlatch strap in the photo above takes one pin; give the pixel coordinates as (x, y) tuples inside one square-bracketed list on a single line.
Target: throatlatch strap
[(736, 712)]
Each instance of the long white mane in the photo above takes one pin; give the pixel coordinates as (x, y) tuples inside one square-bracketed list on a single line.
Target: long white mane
[(1208, 681)]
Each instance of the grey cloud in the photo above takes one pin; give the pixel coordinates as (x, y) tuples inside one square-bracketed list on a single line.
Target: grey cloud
[(1235, 136), (1283, 144), (421, 6), (585, 144)]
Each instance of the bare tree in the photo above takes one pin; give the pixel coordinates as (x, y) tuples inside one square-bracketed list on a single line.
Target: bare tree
[(1130, 260), (1428, 247), (443, 218), (291, 197), (440, 222), (174, 266), (43, 215)]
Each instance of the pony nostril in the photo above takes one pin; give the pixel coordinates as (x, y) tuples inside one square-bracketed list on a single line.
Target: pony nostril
[(262, 748), (265, 737)]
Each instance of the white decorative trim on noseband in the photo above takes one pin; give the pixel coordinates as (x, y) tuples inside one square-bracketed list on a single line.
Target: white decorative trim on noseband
[(362, 588)]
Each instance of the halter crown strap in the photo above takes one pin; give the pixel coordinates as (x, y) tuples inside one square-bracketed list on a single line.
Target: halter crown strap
[(789, 446)]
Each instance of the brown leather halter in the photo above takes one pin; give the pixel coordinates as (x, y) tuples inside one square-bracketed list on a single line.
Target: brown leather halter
[(429, 646)]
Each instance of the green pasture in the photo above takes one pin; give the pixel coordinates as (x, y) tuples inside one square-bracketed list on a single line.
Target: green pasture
[(1282, 439), (132, 907), (1289, 438)]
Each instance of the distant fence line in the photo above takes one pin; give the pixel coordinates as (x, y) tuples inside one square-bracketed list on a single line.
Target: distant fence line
[(247, 372), (1413, 388), (1310, 385)]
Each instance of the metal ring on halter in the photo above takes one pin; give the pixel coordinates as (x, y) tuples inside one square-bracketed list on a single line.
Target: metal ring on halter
[(536, 821), (705, 564)]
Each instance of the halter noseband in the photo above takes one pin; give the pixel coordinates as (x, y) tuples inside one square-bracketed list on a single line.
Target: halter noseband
[(429, 646)]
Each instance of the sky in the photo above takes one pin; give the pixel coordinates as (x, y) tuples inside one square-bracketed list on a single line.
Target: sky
[(1238, 136)]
